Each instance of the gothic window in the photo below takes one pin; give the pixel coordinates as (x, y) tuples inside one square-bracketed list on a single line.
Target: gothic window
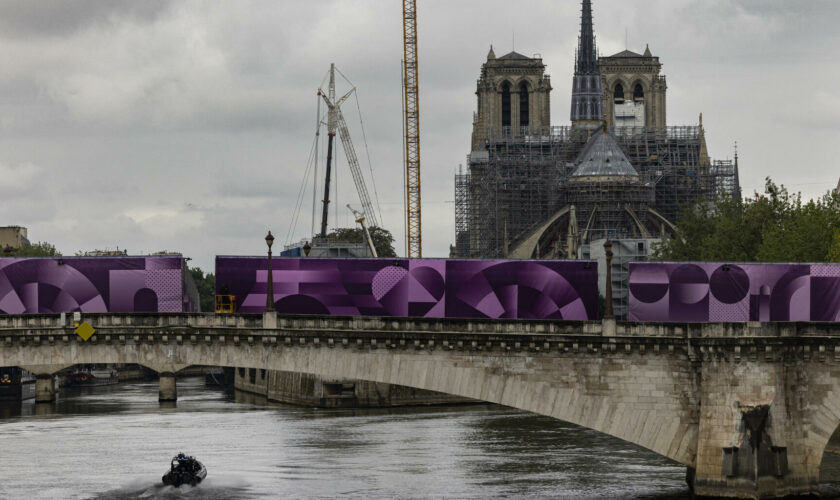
[(523, 105), (618, 95), (638, 93), (505, 105)]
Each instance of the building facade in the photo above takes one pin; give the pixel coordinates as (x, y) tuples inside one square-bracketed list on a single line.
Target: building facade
[(13, 237)]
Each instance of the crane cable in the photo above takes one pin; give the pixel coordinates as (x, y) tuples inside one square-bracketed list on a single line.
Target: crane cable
[(364, 138), (302, 190), (367, 155)]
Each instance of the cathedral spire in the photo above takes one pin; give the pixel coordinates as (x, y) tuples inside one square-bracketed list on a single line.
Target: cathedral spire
[(586, 61), (587, 106)]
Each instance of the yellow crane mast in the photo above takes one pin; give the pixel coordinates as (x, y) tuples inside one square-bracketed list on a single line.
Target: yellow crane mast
[(412, 130)]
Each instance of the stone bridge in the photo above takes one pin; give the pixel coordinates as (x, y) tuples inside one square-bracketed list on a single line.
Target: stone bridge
[(747, 407)]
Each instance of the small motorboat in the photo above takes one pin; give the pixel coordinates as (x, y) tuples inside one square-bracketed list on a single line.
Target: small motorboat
[(184, 470)]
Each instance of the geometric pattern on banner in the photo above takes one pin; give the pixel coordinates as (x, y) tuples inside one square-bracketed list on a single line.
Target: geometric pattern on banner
[(90, 284), (722, 292), (433, 288)]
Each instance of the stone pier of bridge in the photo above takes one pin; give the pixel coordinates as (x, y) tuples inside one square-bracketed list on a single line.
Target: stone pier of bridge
[(748, 408)]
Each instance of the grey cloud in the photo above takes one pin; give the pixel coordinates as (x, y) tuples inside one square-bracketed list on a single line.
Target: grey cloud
[(25, 18)]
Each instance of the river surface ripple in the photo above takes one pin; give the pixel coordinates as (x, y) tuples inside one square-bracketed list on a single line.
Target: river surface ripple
[(115, 442)]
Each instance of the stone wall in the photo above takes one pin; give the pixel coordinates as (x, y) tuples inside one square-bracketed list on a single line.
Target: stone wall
[(312, 390), (766, 417), (253, 380)]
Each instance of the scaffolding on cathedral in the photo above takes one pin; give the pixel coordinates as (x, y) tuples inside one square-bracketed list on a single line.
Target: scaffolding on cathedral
[(520, 180)]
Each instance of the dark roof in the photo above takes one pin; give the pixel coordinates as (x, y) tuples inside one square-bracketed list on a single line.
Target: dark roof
[(603, 157), (627, 53), (514, 55)]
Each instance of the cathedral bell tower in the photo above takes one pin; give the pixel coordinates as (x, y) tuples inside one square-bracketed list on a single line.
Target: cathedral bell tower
[(513, 92), (587, 106), (634, 90)]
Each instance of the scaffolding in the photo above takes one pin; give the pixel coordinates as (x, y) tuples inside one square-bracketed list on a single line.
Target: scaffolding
[(613, 210), (462, 207), (522, 176)]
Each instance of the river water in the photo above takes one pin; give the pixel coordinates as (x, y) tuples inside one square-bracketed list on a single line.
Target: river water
[(115, 442)]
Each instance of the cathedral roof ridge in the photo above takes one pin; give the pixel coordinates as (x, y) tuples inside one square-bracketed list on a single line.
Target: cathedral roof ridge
[(514, 55), (630, 53)]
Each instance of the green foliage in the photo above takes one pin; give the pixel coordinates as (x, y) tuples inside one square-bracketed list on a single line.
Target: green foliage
[(772, 227), (383, 241), (40, 249), (206, 284), (834, 251)]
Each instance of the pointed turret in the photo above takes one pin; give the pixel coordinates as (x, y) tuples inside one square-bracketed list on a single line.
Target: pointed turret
[(586, 60), (491, 55), (647, 51), (587, 106)]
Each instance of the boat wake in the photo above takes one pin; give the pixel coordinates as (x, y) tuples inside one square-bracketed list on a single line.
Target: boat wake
[(215, 488)]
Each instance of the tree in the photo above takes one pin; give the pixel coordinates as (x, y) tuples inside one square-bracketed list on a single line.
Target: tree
[(772, 227), (206, 284), (383, 241), (40, 249), (834, 251)]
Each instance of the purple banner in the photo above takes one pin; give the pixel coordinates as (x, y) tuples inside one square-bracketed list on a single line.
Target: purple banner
[(445, 288), (703, 291), (92, 284)]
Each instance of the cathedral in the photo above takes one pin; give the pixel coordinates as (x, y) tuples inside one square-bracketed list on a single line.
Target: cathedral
[(618, 171)]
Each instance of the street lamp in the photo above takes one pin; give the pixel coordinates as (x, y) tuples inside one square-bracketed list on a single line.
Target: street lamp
[(608, 306), (269, 296)]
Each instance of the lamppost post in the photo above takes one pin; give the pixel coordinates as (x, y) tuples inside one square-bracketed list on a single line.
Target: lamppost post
[(608, 306), (269, 291)]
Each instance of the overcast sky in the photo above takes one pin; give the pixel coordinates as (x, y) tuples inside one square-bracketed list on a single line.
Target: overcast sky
[(187, 125)]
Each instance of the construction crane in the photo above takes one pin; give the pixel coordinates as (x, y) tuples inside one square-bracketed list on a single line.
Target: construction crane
[(335, 120), (360, 219), (412, 130), (330, 98)]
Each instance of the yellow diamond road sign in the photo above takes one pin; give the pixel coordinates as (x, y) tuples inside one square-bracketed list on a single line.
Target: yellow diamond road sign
[(85, 331)]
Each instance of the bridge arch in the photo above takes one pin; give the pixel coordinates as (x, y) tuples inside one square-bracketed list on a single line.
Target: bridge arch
[(627, 394)]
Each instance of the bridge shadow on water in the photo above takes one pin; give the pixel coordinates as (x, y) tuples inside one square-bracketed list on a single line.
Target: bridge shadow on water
[(508, 452)]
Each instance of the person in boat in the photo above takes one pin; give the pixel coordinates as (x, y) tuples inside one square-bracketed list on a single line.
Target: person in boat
[(184, 463), (184, 469)]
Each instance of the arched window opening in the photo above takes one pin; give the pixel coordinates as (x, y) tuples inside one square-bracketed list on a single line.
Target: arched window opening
[(506, 105), (638, 93), (523, 105), (618, 95)]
